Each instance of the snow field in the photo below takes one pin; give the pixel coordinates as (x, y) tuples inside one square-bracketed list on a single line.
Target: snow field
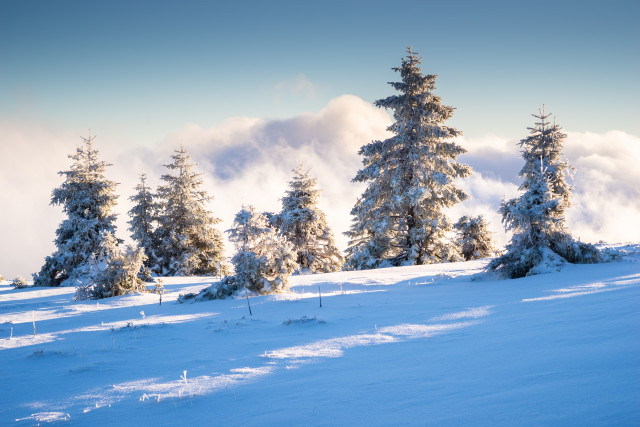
[(408, 345)]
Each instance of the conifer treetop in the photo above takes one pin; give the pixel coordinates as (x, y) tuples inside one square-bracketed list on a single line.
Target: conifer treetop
[(86, 174), (542, 151), (186, 180), (417, 110), (303, 191)]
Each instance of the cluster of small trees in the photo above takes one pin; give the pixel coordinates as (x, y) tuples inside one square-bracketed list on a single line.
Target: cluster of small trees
[(269, 247), (176, 235), (173, 225), (400, 218)]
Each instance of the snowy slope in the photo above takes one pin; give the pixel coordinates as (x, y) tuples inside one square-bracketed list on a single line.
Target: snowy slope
[(397, 346)]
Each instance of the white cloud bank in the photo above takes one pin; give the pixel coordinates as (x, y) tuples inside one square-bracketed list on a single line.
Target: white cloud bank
[(248, 160)]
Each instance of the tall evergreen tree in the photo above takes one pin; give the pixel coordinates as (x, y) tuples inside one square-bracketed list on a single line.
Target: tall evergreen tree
[(400, 219), (303, 224), (263, 261), (536, 217), (188, 242), (474, 238), (88, 199), (141, 224)]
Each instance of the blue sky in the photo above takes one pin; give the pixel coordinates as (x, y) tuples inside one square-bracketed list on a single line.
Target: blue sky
[(144, 68), (254, 87)]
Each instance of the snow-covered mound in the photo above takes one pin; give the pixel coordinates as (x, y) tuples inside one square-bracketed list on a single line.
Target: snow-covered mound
[(396, 346)]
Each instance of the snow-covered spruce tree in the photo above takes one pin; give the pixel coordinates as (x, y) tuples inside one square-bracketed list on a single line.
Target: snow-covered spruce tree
[(141, 224), (114, 272), (263, 261), (474, 239), (536, 217), (188, 242), (87, 198), (304, 225), (400, 219)]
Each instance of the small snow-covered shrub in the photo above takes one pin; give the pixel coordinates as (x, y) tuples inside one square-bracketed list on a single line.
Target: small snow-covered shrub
[(158, 288), (263, 261), (265, 273), (303, 320), (575, 251), (474, 238), (116, 273), (225, 288), (19, 283)]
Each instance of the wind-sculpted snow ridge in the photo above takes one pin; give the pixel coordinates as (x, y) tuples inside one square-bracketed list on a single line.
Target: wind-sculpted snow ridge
[(473, 313), (156, 391), (30, 295), (46, 417), (591, 288), (41, 338)]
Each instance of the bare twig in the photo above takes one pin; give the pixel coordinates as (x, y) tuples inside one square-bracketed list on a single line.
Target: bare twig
[(249, 304)]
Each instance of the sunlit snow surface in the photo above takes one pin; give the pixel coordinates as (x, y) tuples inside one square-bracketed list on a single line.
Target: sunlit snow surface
[(414, 345)]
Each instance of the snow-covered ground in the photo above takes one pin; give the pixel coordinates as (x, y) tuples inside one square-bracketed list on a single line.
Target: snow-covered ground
[(397, 346)]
